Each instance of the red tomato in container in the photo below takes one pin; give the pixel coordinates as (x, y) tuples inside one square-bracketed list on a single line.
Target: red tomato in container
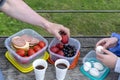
[(20, 52), (36, 48), (41, 44), (31, 52)]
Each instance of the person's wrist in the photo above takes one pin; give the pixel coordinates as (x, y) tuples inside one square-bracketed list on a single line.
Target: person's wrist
[(47, 25)]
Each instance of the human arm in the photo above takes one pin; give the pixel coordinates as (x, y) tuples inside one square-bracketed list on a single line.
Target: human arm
[(20, 10)]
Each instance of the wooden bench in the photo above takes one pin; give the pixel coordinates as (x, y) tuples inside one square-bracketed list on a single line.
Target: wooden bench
[(87, 44)]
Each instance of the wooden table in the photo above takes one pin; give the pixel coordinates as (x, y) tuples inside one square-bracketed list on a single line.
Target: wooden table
[(87, 44)]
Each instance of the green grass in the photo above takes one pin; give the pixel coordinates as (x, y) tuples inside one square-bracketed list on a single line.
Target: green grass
[(78, 23)]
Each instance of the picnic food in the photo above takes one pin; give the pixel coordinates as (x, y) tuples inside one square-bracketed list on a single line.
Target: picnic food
[(69, 50), (98, 66), (66, 50), (26, 45), (87, 66), (65, 38), (32, 41), (99, 49), (31, 52), (19, 43), (54, 49), (41, 44), (21, 52), (61, 53), (93, 67), (94, 72), (36, 48)]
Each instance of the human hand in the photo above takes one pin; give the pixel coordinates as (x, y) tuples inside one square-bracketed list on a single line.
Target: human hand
[(107, 42), (109, 58), (54, 29)]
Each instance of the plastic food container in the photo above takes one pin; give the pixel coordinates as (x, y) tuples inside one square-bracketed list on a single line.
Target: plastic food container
[(91, 58), (72, 41), (72, 65), (26, 60)]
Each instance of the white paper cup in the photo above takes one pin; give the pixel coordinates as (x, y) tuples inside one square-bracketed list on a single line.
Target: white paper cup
[(61, 67), (40, 66)]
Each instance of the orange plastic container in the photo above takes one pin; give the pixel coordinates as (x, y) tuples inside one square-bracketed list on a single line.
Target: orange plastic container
[(73, 64)]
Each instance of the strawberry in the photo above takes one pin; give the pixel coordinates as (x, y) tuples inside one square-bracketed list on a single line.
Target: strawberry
[(64, 39), (61, 53), (59, 45), (54, 49)]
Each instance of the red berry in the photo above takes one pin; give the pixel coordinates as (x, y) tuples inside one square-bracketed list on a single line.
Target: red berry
[(61, 53), (54, 49), (59, 45), (64, 39)]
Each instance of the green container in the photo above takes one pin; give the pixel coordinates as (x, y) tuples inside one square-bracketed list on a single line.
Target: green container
[(91, 57)]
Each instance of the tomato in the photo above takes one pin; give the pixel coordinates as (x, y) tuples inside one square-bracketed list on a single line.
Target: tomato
[(41, 44), (31, 52), (20, 52), (37, 48)]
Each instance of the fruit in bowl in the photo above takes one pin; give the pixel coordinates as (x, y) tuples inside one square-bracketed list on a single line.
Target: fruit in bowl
[(63, 48), (66, 50), (59, 50)]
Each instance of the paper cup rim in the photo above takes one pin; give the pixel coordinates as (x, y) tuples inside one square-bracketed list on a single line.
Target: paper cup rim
[(35, 62), (64, 61)]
